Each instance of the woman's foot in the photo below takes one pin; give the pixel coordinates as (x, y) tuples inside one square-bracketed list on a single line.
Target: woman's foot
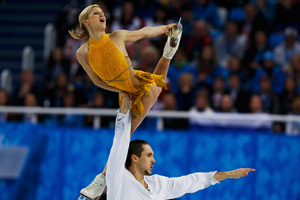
[(94, 190), (173, 41)]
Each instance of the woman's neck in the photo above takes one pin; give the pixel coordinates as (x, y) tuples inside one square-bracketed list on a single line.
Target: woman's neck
[(95, 35)]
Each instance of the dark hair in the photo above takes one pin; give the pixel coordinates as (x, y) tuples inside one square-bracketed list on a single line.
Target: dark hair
[(136, 148)]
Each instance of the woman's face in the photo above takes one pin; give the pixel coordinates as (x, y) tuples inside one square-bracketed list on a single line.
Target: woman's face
[(96, 20)]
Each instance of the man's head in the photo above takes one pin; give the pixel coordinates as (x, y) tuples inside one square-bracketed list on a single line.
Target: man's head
[(231, 30), (200, 28), (265, 85), (140, 157), (291, 37), (234, 81)]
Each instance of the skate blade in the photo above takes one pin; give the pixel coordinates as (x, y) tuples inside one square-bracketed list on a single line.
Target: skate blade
[(85, 197)]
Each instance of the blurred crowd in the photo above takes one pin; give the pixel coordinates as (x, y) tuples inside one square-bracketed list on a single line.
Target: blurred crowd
[(235, 56)]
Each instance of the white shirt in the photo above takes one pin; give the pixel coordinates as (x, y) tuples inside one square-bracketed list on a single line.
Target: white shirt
[(122, 185)]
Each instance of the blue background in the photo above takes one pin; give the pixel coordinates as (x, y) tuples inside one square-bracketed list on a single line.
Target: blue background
[(63, 160)]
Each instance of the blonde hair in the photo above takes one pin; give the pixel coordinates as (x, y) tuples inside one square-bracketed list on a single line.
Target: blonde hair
[(81, 32)]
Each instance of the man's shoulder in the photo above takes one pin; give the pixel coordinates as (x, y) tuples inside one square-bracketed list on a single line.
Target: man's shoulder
[(156, 177)]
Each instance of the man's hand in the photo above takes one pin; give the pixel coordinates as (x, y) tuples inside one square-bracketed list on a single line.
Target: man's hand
[(238, 173), (125, 102)]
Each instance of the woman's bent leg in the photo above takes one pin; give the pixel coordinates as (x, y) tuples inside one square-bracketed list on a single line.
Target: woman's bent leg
[(148, 101)]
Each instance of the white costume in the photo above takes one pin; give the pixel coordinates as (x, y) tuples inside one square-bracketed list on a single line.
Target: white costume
[(122, 185)]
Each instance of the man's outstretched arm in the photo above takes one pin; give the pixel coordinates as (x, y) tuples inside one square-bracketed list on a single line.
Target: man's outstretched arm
[(176, 187), (238, 173)]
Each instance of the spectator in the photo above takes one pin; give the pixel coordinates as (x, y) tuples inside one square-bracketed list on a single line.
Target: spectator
[(98, 102), (207, 10), (289, 93), (234, 67), (66, 20), (70, 48), (254, 21), (178, 66), (146, 9), (207, 68), (254, 54), (199, 39), (26, 86), (5, 101), (188, 22), (150, 56), (256, 105), (88, 89), (71, 120), (186, 91), (273, 72), (286, 14), (128, 20), (294, 70), (293, 128), (239, 96), (218, 92), (229, 4), (30, 101), (288, 48), (173, 8), (227, 104), (266, 8), (170, 104), (58, 89), (229, 44), (56, 64), (135, 50), (269, 99), (202, 102), (158, 18)]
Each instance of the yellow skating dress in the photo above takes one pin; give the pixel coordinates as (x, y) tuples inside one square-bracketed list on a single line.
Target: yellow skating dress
[(108, 62)]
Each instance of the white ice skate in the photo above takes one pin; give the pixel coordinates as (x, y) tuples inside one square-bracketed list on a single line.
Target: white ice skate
[(173, 41), (94, 190)]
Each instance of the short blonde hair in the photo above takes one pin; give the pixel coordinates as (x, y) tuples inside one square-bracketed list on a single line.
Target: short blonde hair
[(81, 32)]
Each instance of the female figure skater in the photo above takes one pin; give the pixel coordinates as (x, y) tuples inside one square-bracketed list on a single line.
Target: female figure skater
[(105, 59)]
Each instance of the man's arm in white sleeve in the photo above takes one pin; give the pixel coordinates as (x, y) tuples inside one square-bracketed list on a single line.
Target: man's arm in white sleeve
[(199, 181), (118, 152)]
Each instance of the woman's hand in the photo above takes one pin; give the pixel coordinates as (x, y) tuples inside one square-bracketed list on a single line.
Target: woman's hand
[(169, 26)]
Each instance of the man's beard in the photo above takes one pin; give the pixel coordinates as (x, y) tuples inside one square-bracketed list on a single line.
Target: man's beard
[(147, 172)]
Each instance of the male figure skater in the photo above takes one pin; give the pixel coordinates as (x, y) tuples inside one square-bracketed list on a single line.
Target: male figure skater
[(134, 182)]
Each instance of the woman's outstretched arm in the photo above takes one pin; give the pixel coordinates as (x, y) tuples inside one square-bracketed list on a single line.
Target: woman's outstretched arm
[(146, 32)]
